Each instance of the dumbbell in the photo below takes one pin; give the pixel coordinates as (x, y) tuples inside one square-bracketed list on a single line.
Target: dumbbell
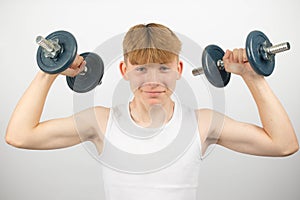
[(260, 53), (57, 52)]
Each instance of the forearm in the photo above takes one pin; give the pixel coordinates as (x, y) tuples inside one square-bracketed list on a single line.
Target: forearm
[(27, 113), (274, 118)]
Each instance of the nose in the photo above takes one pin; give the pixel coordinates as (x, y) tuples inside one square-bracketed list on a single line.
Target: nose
[(152, 76)]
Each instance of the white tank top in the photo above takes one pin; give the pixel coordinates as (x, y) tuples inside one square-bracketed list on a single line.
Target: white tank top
[(176, 181)]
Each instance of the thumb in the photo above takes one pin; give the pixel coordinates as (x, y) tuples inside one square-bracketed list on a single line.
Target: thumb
[(227, 55)]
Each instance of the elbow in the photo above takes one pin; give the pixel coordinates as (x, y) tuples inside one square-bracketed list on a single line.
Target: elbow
[(290, 149), (13, 140), (287, 144), (294, 149)]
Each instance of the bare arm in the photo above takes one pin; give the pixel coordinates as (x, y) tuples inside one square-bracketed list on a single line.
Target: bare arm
[(26, 131), (276, 137)]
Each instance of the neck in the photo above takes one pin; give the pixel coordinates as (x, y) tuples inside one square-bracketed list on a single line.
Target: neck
[(151, 116)]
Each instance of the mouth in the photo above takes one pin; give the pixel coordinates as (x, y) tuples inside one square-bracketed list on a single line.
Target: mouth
[(153, 93)]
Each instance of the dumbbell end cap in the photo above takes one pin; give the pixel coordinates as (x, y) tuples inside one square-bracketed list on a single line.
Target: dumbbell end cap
[(288, 46)]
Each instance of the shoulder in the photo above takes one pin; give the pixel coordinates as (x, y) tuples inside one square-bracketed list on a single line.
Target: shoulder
[(100, 110), (102, 117), (204, 117), (204, 114), (210, 123), (208, 115)]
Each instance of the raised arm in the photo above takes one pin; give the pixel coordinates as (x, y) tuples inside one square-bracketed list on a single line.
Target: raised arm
[(25, 129), (276, 137)]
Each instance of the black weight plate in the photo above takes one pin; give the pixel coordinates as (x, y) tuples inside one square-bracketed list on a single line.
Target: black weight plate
[(91, 78), (254, 43), (217, 77), (64, 59)]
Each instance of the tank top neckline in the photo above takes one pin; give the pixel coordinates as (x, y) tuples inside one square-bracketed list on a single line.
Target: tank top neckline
[(176, 113)]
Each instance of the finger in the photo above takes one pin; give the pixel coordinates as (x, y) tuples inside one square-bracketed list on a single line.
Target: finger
[(79, 69), (69, 72), (231, 57), (77, 62), (72, 72), (82, 66), (235, 55), (241, 55), (245, 58), (227, 54), (80, 61), (227, 57)]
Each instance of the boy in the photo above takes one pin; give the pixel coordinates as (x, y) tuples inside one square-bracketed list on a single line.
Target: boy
[(152, 66)]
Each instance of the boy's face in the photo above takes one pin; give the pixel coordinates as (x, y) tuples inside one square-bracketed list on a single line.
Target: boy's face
[(152, 83)]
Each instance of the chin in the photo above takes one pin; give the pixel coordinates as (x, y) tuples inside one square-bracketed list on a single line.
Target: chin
[(152, 102)]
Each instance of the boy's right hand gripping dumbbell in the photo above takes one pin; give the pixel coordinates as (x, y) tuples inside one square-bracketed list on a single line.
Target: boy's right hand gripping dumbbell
[(76, 67)]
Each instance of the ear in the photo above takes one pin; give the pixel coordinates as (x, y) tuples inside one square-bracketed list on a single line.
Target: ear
[(123, 69), (179, 69)]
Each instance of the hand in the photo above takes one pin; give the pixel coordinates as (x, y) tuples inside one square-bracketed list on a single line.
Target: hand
[(236, 62), (76, 67)]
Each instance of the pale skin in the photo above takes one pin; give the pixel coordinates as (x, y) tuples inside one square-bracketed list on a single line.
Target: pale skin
[(276, 137)]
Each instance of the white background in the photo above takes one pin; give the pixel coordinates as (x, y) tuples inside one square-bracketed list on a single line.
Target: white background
[(72, 173)]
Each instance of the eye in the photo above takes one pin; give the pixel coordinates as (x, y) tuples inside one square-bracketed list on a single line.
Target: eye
[(141, 69), (164, 68)]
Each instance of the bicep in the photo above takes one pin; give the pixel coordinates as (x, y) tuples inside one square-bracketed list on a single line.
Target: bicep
[(216, 128), (53, 134), (246, 138), (66, 132)]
